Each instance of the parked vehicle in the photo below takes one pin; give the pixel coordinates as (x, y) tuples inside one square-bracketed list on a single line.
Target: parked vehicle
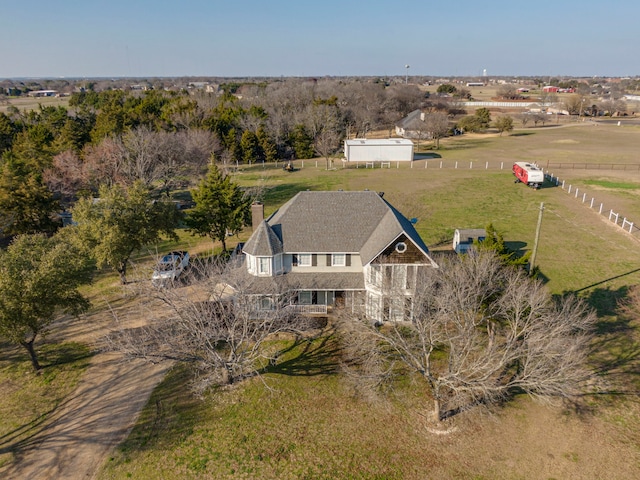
[(170, 267), (529, 174)]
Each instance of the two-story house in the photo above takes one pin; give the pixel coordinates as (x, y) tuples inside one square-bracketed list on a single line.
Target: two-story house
[(342, 249)]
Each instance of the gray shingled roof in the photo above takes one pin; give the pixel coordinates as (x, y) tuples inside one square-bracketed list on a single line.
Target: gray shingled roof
[(325, 222), (264, 242)]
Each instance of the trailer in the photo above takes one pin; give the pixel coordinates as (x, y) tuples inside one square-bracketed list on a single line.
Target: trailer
[(528, 173)]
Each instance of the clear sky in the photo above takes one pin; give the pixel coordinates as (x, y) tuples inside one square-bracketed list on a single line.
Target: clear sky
[(231, 38)]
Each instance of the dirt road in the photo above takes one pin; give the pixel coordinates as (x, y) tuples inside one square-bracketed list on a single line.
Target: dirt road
[(77, 438), (90, 423)]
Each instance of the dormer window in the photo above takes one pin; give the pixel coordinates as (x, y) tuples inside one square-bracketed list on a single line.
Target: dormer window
[(338, 260), (304, 259)]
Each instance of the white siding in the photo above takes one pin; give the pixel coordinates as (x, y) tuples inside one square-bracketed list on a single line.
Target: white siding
[(392, 150)]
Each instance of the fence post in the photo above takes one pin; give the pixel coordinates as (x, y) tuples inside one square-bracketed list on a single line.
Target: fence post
[(563, 184), (501, 165), (440, 163), (486, 166), (470, 164), (584, 197), (600, 212), (630, 227), (592, 199), (456, 165), (569, 191)]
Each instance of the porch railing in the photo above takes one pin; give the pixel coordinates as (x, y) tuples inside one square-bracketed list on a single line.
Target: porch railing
[(308, 309)]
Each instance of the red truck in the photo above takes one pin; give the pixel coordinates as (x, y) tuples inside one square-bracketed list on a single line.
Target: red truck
[(529, 174)]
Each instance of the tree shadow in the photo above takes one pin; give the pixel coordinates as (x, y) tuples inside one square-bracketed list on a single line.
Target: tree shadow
[(426, 156), (615, 353), (588, 287), (521, 134), (309, 357)]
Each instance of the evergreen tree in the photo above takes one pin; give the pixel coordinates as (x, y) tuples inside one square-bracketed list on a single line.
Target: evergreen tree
[(250, 147), (221, 207), (26, 204), (267, 145)]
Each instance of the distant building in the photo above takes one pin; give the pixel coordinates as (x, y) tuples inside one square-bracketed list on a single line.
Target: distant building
[(463, 238), (43, 93), (378, 150)]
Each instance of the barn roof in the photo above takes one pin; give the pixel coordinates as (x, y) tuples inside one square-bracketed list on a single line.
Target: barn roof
[(378, 141)]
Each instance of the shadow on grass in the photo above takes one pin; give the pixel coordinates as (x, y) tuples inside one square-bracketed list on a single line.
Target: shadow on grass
[(50, 356), (309, 357), (521, 134), (616, 349), (426, 156), (605, 281), (170, 414), (63, 354)]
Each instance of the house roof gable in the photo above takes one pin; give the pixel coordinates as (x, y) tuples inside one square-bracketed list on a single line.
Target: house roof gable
[(335, 221)]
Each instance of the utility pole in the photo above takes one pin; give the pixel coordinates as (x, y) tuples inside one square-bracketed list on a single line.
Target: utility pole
[(535, 242)]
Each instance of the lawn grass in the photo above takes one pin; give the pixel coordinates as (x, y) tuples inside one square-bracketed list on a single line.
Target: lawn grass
[(310, 424), (27, 399)]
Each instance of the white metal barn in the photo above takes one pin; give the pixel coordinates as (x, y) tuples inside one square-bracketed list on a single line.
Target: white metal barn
[(378, 150)]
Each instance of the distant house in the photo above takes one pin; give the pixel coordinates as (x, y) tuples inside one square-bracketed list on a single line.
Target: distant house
[(378, 150), (463, 238), (550, 89), (349, 250), (412, 125)]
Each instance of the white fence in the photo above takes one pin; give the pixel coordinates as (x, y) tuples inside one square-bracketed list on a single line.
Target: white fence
[(586, 199)]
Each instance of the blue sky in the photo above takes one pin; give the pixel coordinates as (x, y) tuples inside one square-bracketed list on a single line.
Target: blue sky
[(137, 38)]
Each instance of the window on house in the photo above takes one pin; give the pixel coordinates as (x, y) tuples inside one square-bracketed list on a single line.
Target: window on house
[(304, 259), (266, 303), (278, 265), (264, 265), (305, 297), (338, 260)]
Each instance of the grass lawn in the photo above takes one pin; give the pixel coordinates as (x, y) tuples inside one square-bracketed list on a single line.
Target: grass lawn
[(309, 424)]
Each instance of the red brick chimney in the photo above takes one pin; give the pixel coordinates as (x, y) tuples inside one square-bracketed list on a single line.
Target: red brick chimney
[(257, 215)]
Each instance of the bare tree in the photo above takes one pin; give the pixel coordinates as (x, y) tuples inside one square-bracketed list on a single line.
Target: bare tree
[(480, 333), (219, 324), (438, 126)]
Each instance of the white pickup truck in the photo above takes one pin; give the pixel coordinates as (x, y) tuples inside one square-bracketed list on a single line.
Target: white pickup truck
[(170, 267)]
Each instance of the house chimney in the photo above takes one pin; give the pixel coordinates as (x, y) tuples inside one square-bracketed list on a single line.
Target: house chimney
[(257, 215)]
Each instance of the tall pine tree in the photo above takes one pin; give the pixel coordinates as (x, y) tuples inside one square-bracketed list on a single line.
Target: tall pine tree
[(221, 207)]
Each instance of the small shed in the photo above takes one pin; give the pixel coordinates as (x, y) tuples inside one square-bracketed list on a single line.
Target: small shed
[(463, 238), (378, 150)]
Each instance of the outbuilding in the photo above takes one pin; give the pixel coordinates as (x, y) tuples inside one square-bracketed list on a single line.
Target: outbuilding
[(378, 150), (463, 238)]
